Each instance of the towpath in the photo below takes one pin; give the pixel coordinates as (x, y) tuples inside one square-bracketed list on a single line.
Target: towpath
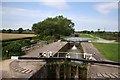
[(97, 70)]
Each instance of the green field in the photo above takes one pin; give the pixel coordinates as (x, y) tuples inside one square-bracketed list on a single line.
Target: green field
[(87, 36), (109, 51)]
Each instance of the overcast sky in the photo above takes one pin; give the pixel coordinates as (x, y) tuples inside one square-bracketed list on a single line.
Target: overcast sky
[(85, 15)]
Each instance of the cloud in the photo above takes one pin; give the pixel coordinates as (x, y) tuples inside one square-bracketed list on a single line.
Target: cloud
[(24, 13), (84, 22), (92, 23), (59, 4), (19, 17), (106, 8), (17, 24), (19, 12)]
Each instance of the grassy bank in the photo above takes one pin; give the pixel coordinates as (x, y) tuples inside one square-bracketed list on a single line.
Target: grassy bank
[(109, 51)]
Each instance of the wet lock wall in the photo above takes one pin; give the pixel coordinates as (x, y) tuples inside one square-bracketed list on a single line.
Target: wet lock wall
[(68, 49)]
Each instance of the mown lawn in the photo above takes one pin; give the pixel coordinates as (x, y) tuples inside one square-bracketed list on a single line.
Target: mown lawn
[(87, 36), (108, 50)]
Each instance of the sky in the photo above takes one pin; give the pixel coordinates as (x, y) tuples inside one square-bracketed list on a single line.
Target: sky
[(85, 15)]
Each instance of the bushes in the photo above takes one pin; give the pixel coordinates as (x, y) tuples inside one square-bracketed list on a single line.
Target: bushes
[(14, 48)]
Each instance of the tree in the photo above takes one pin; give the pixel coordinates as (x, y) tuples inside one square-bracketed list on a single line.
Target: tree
[(98, 30), (20, 30), (86, 31), (3, 31), (53, 27), (92, 31), (9, 30)]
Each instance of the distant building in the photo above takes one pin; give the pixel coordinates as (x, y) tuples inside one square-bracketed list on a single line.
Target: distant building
[(76, 34)]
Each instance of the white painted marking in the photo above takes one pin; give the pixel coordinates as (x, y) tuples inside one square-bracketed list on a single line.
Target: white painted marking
[(14, 57)]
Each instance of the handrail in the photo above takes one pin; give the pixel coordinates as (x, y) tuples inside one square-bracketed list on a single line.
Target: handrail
[(63, 58)]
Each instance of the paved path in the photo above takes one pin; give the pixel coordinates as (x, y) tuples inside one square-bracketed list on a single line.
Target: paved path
[(54, 47), (101, 40), (103, 71), (97, 70), (4, 68), (25, 68)]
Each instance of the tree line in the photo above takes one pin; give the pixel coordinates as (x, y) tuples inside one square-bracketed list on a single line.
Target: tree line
[(103, 34), (19, 31)]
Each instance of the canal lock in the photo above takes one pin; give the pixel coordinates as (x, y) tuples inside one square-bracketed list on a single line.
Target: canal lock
[(64, 69)]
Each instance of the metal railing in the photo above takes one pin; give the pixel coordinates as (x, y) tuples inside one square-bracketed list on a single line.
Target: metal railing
[(69, 59)]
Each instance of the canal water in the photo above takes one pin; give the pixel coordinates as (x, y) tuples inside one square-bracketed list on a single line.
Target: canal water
[(77, 39), (75, 52)]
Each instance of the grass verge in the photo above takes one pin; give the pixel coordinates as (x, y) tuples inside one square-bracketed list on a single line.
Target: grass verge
[(108, 50)]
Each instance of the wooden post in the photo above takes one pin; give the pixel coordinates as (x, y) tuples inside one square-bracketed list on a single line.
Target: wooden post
[(77, 74), (58, 72), (64, 72), (69, 72), (58, 54)]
